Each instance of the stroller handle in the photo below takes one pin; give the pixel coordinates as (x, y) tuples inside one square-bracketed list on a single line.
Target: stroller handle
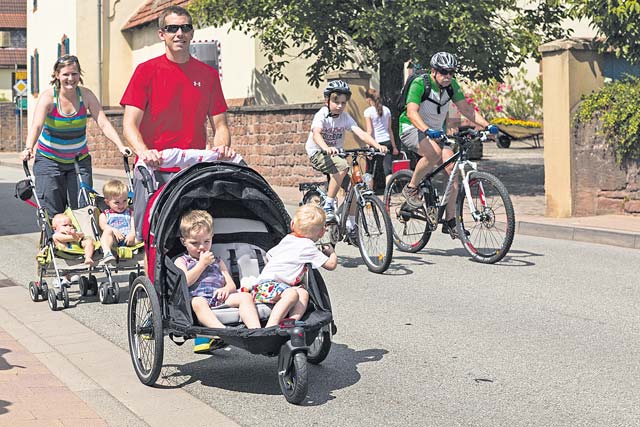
[(147, 180), (25, 166)]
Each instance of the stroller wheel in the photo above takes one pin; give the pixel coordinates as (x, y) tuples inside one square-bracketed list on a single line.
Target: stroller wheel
[(52, 299), (115, 293), (65, 297), (319, 349), (103, 293), (293, 378), (34, 291), (93, 285), (84, 286), (44, 289), (144, 327)]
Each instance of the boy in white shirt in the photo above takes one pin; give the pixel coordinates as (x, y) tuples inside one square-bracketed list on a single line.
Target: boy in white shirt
[(326, 139), (280, 280)]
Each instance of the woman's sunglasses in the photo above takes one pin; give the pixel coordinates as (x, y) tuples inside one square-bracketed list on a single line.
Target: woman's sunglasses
[(67, 58), (174, 28)]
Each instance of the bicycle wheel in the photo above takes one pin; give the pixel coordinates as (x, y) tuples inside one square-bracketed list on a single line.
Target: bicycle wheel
[(410, 229), (491, 221), (146, 336), (375, 235)]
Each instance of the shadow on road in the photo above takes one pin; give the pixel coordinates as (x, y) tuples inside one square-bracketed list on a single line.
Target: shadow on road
[(17, 216), (232, 371)]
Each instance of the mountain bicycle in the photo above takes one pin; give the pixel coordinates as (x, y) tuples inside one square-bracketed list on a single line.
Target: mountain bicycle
[(484, 212), (373, 234)]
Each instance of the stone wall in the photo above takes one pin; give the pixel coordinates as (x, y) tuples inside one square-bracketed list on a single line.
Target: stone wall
[(8, 127), (270, 138), (600, 186)]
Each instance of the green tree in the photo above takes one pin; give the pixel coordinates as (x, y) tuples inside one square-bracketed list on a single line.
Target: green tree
[(488, 36), (617, 21)]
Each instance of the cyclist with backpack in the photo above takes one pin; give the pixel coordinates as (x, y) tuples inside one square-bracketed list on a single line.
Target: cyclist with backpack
[(424, 104)]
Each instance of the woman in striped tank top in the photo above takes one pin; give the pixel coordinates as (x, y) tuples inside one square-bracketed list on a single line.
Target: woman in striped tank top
[(58, 134)]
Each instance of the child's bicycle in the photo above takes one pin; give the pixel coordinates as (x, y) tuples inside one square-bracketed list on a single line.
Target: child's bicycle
[(373, 232), (484, 212)]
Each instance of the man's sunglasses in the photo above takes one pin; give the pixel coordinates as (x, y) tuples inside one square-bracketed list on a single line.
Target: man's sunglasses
[(174, 28), (445, 72)]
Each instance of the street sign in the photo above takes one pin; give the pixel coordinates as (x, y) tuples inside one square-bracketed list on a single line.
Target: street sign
[(21, 88), (20, 75)]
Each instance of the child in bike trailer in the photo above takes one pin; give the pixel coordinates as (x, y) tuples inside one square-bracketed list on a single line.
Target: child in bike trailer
[(326, 139), (422, 122), (208, 278), (280, 280)]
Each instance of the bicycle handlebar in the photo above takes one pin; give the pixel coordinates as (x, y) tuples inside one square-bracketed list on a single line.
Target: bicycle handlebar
[(466, 136)]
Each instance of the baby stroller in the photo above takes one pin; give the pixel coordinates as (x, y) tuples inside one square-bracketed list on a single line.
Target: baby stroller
[(60, 262), (249, 219)]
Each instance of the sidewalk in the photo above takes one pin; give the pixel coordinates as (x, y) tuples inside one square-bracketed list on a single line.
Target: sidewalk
[(520, 168), (54, 371)]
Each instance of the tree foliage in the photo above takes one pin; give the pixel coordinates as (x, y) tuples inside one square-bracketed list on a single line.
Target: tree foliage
[(617, 21), (615, 108), (488, 36)]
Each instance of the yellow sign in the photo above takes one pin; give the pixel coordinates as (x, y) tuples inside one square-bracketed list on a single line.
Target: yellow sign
[(21, 75), (20, 87)]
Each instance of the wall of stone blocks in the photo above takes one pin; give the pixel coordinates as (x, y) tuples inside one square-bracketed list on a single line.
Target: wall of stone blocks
[(9, 128)]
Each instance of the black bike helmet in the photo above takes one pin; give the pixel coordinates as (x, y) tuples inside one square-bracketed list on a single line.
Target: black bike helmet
[(337, 86), (444, 61)]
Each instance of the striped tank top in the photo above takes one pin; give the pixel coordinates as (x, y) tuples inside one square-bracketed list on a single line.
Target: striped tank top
[(63, 137)]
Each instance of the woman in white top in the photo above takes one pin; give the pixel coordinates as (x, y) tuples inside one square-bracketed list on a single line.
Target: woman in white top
[(378, 121)]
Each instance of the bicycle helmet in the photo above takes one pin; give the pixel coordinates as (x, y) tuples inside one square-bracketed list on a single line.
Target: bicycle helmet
[(337, 86), (444, 61)]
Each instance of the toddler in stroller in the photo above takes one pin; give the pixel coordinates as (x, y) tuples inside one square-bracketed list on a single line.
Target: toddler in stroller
[(250, 219), (65, 236)]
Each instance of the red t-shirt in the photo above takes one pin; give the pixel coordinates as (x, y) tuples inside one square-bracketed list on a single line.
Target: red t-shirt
[(176, 99)]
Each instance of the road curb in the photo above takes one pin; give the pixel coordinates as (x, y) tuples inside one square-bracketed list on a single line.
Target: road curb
[(579, 234)]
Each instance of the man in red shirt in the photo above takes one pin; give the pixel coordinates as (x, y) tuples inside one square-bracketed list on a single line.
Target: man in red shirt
[(167, 103)]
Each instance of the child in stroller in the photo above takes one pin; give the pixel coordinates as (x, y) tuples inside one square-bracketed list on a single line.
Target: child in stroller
[(280, 281), (116, 221), (65, 236), (208, 278)]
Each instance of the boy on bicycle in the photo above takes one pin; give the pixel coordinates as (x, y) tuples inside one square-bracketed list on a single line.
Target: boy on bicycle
[(326, 139), (422, 125)]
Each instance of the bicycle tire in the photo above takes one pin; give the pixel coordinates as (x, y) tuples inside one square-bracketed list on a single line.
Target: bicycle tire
[(375, 234), (410, 234), (491, 236)]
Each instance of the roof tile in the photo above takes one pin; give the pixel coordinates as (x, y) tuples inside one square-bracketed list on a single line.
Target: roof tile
[(150, 11), (13, 56)]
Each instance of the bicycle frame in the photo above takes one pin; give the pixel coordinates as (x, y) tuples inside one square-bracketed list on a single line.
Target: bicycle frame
[(460, 163)]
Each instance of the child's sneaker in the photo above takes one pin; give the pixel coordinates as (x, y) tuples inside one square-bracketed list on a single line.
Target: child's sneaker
[(204, 345), (412, 196), (108, 259), (330, 212)]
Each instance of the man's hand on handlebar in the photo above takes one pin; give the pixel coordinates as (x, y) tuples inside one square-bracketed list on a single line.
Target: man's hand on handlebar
[(151, 158), (332, 150), (225, 152)]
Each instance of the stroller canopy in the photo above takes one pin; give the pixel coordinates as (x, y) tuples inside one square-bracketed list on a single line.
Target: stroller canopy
[(226, 190)]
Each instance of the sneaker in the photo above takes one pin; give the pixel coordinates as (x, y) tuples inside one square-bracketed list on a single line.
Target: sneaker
[(108, 259), (330, 212), (204, 345), (412, 196), (449, 227)]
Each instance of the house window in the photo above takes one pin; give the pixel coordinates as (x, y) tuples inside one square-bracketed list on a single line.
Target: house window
[(63, 46), (35, 71)]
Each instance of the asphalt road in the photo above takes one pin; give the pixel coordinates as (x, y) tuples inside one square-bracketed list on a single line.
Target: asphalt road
[(547, 337)]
